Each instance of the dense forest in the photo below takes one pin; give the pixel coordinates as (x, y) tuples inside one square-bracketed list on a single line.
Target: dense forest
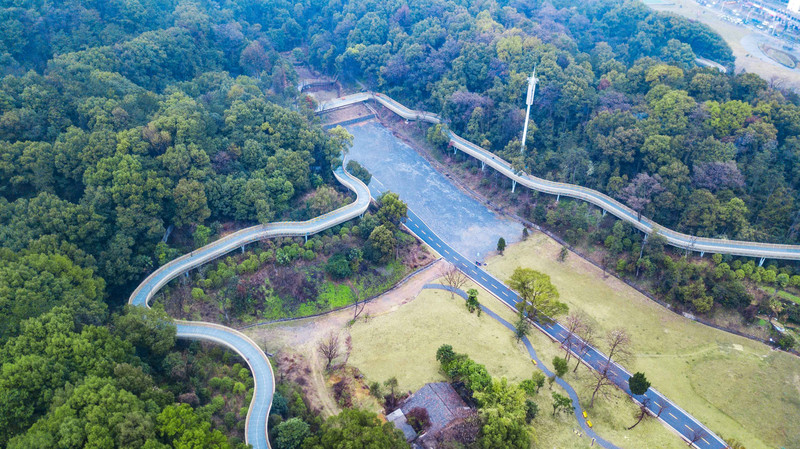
[(621, 105), (119, 120)]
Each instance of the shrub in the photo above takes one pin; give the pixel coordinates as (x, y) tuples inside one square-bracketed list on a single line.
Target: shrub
[(418, 419), (338, 267), (375, 390)]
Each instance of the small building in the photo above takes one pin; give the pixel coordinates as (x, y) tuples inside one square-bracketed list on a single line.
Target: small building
[(444, 407)]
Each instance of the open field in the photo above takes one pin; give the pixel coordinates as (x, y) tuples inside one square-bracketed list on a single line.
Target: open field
[(738, 388), (747, 55), (403, 343)]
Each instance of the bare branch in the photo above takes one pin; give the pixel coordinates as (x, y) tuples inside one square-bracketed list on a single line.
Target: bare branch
[(696, 435), (329, 348), (454, 278)]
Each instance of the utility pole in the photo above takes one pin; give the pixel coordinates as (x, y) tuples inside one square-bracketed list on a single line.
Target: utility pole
[(529, 101)]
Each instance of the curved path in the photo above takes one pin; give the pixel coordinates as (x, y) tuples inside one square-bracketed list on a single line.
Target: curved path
[(577, 410), (675, 418), (264, 380), (603, 201)]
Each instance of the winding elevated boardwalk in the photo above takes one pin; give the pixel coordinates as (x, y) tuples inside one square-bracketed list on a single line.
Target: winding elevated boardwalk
[(264, 379), (601, 200)]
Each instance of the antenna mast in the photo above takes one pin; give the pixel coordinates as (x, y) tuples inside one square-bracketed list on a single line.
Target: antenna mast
[(532, 81)]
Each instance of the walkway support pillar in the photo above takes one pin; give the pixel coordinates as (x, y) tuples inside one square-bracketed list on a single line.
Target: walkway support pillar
[(306, 236), (242, 249), (604, 212), (702, 253), (558, 197), (483, 165), (761, 262), (513, 185)]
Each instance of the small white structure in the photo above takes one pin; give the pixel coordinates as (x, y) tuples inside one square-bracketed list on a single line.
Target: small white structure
[(532, 81)]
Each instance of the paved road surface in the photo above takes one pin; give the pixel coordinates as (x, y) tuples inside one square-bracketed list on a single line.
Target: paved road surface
[(672, 415), (606, 203), (578, 410)]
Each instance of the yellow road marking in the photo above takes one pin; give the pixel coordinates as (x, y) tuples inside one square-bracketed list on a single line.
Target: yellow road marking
[(673, 416)]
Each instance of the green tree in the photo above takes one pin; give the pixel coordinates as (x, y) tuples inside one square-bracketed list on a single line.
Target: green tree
[(504, 411), (383, 242), (539, 295), (291, 433), (560, 366), (191, 204), (561, 402), (472, 301), (180, 426), (392, 211), (357, 429), (150, 330), (501, 245), (201, 236)]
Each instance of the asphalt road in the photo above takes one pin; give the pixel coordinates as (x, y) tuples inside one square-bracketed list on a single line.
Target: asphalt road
[(671, 415), (578, 410), (605, 202)]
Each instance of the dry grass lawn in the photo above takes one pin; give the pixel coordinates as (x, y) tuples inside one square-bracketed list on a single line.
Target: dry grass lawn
[(738, 388), (403, 344)]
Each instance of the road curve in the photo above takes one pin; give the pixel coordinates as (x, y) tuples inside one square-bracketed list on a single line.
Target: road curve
[(603, 201), (675, 418), (263, 377)]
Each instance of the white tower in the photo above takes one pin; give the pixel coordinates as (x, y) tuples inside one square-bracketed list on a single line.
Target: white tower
[(532, 81)]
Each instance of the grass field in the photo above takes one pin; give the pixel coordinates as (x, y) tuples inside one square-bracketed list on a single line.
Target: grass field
[(403, 343), (738, 388)]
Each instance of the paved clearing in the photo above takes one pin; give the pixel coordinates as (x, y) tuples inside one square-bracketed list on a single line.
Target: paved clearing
[(742, 41)]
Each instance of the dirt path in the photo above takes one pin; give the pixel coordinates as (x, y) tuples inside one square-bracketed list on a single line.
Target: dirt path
[(296, 341)]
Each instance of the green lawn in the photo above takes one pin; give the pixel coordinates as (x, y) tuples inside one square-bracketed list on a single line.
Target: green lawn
[(783, 294), (738, 388), (403, 344)]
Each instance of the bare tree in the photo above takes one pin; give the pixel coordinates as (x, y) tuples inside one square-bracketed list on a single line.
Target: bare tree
[(583, 343), (662, 407), (573, 324), (454, 278), (329, 348), (359, 303), (696, 435), (643, 411), (619, 343)]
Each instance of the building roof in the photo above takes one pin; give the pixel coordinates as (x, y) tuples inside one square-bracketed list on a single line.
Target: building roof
[(440, 400)]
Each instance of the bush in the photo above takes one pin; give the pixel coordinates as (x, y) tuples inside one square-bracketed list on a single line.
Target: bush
[(418, 419), (375, 390), (531, 409), (359, 171), (786, 342), (338, 267)]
